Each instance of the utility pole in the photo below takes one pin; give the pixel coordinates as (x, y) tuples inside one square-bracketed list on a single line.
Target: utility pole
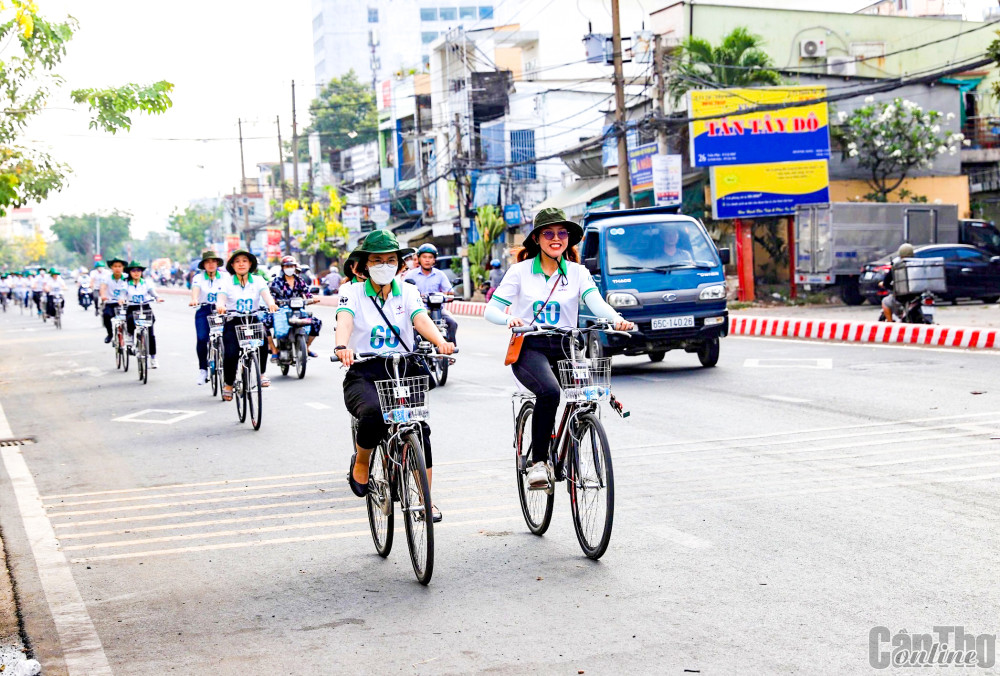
[(295, 147), (243, 185), (281, 174), (624, 184), (460, 190), (98, 234), (661, 91)]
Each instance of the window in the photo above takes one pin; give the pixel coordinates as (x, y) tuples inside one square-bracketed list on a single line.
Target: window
[(318, 47), (317, 23), (428, 14), (467, 13), (428, 37), (373, 15), (486, 12), (522, 149), (972, 255), (447, 14)]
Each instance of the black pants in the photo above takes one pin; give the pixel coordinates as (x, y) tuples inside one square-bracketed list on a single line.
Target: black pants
[(36, 296), (130, 325), (361, 399), (536, 370), (108, 314), (50, 304), (231, 350), (201, 331)]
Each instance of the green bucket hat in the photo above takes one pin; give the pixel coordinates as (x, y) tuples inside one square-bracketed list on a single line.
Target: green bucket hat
[(241, 252), (53, 271), (117, 260), (100, 264), (209, 255), (134, 265), (552, 216), (379, 242)]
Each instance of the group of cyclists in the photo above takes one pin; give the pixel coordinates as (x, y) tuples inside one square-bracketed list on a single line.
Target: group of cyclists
[(42, 289)]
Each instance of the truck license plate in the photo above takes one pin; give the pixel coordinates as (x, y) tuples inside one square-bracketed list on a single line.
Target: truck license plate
[(868, 275), (673, 322)]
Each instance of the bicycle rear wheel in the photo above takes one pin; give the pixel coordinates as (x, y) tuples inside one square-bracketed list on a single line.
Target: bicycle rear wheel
[(415, 503), (141, 357), (240, 391), (118, 356), (254, 390), (535, 505), (381, 515), (58, 317), (124, 348), (592, 486)]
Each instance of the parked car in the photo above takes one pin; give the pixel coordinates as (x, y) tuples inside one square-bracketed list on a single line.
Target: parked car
[(969, 273)]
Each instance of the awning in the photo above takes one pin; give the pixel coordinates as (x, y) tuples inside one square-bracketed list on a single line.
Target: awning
[(573, 200), (408, 184)]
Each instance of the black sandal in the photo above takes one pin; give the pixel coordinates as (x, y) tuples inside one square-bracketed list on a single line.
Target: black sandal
[(359, 489)]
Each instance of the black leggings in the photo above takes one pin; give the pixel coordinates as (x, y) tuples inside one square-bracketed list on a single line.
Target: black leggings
[(109, 312), (536, 370), (231, 351), (130, 324), (361, 399)]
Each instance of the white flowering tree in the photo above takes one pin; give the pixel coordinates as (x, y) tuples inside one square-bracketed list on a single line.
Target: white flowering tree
[(889, 139)]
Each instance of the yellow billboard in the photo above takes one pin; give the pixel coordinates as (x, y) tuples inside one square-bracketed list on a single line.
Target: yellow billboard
[(761, 190)]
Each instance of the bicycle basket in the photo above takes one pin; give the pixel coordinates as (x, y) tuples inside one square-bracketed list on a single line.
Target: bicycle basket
[(403, 401), (120, 313), (250, 335), (143, 318), (585, 379), (216, 324)]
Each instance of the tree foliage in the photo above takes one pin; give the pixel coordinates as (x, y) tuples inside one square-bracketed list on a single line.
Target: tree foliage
[(344, 114), (889, 139), (79, 233), (190, 225), (18, 252), (490, 225), (738, 61), (321, 230), (33, 48)]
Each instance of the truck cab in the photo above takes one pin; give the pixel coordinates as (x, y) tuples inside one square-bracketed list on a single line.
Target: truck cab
[(980, 234), (662, 271)]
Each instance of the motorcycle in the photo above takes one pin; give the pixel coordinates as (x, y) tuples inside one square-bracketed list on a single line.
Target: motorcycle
[(85, 297), (292, 346), (916, 309), (435, 307)]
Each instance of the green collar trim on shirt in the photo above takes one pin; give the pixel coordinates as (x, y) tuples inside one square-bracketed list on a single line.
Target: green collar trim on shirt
[(370, 290), (117, 278), (132, 282), (218, 275), (236, 280), (536, 267)]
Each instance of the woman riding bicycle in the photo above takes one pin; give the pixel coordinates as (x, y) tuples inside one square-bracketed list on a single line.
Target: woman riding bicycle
[(290, 285), (55, 291), (545, 286), (113, 292), (243, 292), (139, 293), (204, 289), (362, 326)]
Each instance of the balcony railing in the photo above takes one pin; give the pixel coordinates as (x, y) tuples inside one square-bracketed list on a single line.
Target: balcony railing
[(982, 132)]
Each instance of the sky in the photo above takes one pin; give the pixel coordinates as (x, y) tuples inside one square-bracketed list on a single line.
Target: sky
[(228, 59)]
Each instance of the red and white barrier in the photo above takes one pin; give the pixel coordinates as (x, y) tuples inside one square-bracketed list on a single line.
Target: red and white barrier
[(865, 332)]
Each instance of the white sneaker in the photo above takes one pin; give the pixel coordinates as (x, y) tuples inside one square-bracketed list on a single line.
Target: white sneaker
[(152, 363), (202, 376), (539, 476)]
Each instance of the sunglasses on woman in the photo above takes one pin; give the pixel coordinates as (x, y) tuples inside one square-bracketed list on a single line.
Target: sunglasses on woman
[(551, 235)]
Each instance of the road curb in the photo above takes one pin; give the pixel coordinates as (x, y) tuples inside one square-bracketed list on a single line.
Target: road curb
[(10, 628), (894, 333)]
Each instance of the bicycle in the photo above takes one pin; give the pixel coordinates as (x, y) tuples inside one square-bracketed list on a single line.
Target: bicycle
[(579, 452), (119, 340), (247, 388), (435, 303), (215, 351), (57, 308), (143, 319), (396, 470)]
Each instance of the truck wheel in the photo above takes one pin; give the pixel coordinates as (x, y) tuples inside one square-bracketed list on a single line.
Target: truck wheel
[(708, 353), (989, 300), (850, 293), (657, 355), (595, 350)]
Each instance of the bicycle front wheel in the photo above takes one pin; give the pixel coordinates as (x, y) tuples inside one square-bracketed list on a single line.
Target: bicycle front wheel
[(535, 505), (142, 357), (592, 486), (254, 391), (213, 369), (240, 391), (125, 354), (381, 516), (415, 503)]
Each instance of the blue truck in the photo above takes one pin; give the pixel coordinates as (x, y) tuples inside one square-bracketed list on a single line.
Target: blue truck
[(662, 271)]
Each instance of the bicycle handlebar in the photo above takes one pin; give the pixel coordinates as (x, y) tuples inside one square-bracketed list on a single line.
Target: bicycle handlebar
[(603, 326), (368, 356)]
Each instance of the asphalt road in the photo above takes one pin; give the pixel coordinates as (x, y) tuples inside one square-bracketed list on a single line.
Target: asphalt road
[(770, 512)]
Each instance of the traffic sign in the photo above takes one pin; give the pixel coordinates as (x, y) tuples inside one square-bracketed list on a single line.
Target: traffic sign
[(98, 257)]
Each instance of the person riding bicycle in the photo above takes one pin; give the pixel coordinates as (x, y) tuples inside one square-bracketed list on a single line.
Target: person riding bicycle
[(113, 292), (204, 289), (243, 292), (429, 279), (139, 293), (545, 286), (98, 275), (5, 285), (55, 291), (381, 316), (893, 304), (37, 287), (290, 285)]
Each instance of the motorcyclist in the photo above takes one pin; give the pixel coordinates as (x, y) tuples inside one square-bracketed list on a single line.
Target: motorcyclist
[(428, 279), (289, 284), (496, 276), (893, 304)]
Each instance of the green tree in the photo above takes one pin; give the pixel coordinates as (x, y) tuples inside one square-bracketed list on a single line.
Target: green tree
[(158, 245), (890, 138), (33, 48), (79, 233), (344, 114), (490, 225), (190, 225), (739, 61)]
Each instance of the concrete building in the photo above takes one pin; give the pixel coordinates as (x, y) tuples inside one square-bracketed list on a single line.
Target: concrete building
[(19, 223), (944, 9)]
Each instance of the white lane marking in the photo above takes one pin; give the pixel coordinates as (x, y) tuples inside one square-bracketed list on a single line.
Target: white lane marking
[(787, 400), (220, 482), (317, 405), (677, 537), (824, 364), (67, 353), (270, 542), (882, 346), (88, 370), (158, 496), (82, 649), (187, 503), (175, 416)]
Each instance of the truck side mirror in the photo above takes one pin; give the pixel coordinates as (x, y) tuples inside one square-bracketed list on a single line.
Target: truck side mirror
[(592, 265), (724, 256)]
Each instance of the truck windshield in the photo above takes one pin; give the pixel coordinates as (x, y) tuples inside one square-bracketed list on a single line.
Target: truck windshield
[(660, 247)]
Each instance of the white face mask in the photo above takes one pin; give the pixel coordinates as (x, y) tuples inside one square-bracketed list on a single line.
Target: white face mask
[(289, 271), (381, 274)]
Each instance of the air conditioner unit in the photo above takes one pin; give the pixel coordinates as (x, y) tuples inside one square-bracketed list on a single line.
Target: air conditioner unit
[(812, 49), (841, 65)]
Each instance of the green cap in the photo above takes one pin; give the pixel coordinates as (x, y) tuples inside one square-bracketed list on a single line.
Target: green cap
[(382, 241), (552, 216), (241, 252)]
